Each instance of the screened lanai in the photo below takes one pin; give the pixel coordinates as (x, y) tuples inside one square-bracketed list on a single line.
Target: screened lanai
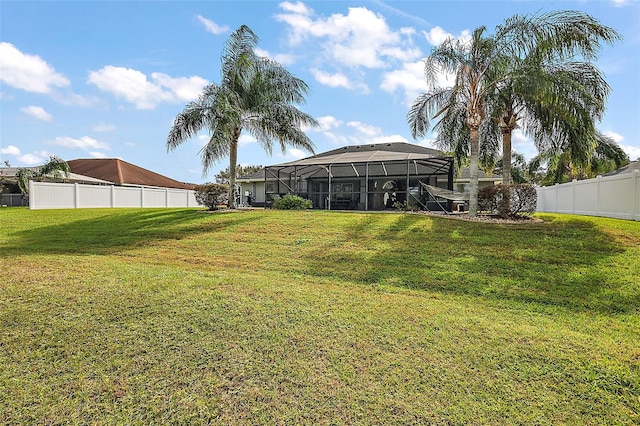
[(364, 177)]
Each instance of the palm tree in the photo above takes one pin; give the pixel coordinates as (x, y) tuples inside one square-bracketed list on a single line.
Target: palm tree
[(255, 94), (462, 106), (55, 168), (557, 165), (552, 90), (524, 72)]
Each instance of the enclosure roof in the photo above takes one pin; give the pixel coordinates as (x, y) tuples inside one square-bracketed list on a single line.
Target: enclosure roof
[(368, 153)]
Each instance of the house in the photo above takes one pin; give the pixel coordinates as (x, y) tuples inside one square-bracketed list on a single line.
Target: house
[(121, 172), (629, 168), (358, 177), (10, 194)]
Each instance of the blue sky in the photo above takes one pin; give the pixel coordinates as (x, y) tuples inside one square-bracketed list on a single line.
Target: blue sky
[(105, 79)]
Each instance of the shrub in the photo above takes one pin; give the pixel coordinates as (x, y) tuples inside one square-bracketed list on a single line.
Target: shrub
[(292, 202), (406, 206), (211, 194), (508, 200)]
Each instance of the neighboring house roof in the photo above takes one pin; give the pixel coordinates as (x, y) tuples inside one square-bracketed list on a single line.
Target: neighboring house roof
[(11, 172), (121, 172), (629, 168)]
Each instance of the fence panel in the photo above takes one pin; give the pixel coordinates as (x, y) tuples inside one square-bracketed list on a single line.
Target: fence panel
[(46, 195), (612, 196)]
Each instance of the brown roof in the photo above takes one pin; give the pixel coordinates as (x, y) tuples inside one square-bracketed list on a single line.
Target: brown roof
[(123, 173)]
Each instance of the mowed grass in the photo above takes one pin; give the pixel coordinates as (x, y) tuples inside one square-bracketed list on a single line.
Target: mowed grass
[(276, 317)]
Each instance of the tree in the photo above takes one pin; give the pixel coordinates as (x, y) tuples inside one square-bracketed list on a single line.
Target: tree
[(551, 91), (462, 105), (222, 177), (525, 68), (256, 95), (556, 165), (55, 168)]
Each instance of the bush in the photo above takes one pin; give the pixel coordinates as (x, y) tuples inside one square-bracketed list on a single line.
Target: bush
[(508, 200), (211, 194), (292, 202)]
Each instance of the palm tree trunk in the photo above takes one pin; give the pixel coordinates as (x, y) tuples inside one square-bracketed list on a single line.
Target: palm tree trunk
[(473, 172), (506, 156), (233, 161)]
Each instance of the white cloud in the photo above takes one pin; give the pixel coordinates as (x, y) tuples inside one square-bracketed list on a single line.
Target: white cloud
[(365, 129), (85, 142), (328, 122), (10, 150), (103, 127), (246, 139), (73, 99), (359, 39), (632, 151), (37, 112), (338, 80), (95, 154), (297, 153), (297, 7), (134, 87), (36, 158), (28, 72), (613, 135), (183, 88), (388, 139), (410, 78), (620, 2), (211, 26), (436, 35)]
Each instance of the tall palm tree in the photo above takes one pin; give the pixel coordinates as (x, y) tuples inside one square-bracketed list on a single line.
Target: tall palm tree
[(552, 91), (461, 108), (255, 94), (525, 71)]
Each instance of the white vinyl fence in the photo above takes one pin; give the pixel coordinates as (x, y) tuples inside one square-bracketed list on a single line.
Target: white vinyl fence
[(45, 195), (612, 196)]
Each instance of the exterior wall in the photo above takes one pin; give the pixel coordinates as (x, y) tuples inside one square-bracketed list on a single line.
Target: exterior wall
[(45, 195), (612, 196)]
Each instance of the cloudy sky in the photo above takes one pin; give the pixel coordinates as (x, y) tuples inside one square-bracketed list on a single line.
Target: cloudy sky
[(105, 79)]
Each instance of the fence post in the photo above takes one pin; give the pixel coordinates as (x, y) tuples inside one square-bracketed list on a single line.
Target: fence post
[(635, 211), (142, 196), (166, 197), (76, 195), (573, 196), (31, 197), (598, 194), (113, 196), (555, 188)]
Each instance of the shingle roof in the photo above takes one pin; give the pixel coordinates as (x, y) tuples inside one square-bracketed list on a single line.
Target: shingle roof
[(629, 168), (123, 173)]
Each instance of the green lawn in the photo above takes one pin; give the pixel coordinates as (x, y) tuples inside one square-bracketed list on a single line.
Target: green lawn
[(276, 317)]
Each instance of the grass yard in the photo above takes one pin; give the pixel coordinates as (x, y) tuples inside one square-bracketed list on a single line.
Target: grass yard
[(275, 317)]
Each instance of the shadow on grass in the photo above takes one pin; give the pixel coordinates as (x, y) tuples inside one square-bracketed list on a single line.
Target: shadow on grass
[(569, 263), (116, 231)]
